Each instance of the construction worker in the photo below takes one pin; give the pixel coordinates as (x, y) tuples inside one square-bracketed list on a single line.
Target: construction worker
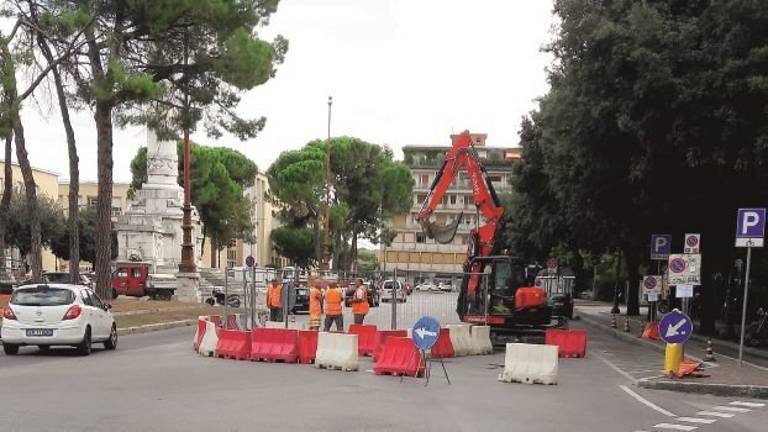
[(333, 313), (275, 300), (360, 305), (315, 304)]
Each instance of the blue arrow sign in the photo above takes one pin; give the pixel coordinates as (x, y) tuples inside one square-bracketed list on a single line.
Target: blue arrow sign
[(425, 332), (675, 327)]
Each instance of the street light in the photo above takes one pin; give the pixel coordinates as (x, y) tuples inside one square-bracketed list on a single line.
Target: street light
[(327, 210)]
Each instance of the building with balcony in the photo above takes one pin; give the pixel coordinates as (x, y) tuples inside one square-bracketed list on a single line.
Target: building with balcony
[(419, 257)]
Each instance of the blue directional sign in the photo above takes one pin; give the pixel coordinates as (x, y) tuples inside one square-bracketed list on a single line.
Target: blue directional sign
[(250, 261), (750, 227), (675, 327), (661, 246), (425, 332)]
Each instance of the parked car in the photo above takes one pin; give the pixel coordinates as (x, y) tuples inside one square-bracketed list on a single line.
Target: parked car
[(135, 279), (444, 287), (63, 278), (425, 286), (57, 314), (386, 291), (300, 301), (374, 296)]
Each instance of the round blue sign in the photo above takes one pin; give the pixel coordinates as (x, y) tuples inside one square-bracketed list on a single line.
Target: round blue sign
[(250, 261), (425, 332), (675, 327)]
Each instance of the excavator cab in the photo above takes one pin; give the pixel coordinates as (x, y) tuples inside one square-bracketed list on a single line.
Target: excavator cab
[(503, 297)]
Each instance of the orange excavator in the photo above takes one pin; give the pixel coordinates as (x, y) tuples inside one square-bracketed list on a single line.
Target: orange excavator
[(495, 289)]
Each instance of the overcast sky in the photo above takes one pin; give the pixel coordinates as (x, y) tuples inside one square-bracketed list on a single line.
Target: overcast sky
[(401, 72)]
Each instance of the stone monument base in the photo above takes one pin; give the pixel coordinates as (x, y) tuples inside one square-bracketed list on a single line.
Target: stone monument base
[(188, 287)]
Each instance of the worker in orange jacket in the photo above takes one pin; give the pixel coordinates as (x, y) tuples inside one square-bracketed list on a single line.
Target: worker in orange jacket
[(315, 304), (275, 300), (360, 305), (333, 313)]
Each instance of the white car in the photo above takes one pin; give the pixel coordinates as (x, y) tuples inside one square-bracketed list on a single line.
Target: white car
[(426, 286), (57, 314), (386, 292), (444, 287)]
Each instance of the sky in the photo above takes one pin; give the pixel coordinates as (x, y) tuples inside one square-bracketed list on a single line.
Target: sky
[(401, 72)]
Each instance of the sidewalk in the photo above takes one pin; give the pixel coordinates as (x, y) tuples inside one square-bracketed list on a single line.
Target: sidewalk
[(641, 360)]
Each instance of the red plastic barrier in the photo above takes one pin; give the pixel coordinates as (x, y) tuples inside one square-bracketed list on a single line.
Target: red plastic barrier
[(529, 297), (381, 337), (570, 343), (275, 344), (399, 357), (366, 338), (443, 348), (651, 331), (307, 346), (232, 322), (215, 319), (199, 334), (235, 344)]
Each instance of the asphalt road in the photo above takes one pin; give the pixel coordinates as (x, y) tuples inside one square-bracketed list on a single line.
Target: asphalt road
[(155, 382)]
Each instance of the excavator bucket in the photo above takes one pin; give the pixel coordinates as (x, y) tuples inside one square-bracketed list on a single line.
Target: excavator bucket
[(442, 234)]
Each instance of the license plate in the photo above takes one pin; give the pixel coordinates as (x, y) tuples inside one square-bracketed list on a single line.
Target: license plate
[(39, 332)]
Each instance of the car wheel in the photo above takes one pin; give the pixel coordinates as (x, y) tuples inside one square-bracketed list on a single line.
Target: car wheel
[(84, 347), (10, 349), (111, 343)]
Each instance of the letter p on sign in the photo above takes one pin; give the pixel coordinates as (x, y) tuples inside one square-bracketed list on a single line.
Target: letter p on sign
[(750, 227), (751, 219)]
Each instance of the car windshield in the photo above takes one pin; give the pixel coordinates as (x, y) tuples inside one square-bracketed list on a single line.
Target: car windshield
[(42, 296)]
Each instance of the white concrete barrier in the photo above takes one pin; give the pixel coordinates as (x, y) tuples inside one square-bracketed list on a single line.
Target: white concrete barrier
[(481, 340), (209, 341), (460, 339), (337, 351), (530, 364)]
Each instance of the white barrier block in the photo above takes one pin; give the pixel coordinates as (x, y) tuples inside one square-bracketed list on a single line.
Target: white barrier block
[(337, 351), (209, 341), (460, 339), (530, 364), (280, 324), (481, 340)]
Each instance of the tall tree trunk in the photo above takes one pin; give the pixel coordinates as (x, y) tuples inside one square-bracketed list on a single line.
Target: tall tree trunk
[(617, 275), (30, 190), (74, 172), (633, 273), (5, 202), (103, 117), (353, 252)]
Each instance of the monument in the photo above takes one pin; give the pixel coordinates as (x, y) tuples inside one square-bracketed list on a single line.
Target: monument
[(150, 230)]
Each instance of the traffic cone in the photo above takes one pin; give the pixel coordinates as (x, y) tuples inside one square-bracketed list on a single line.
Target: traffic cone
[(613, 320), (626, 325), (709, 356)]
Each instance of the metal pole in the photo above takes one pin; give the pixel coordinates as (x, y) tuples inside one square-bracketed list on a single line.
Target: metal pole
[(245, 299), (253, 295), (327, 209), (744, 306), (394, 299), (226, 296)]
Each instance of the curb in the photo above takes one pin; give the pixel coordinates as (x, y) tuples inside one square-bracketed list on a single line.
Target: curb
[(155, 327), (630, 337), (727, 390)]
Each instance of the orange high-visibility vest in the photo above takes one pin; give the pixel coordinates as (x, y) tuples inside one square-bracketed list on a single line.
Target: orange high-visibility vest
[(333, 298), (274, 297), (315, 302), (360, 301)]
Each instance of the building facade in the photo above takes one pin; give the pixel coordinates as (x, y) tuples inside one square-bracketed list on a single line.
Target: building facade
[(88, 193), (419, 257)]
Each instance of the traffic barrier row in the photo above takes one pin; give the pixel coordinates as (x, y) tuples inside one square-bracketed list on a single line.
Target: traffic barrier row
[(460, 339), (443, 348), (307, 346), (209, 340), (480, 337), (199, 332), (530, 364), (381, 338), (271, 344), (399, 357), (570, 343), (337, 351), (234, 344), (366, 338)]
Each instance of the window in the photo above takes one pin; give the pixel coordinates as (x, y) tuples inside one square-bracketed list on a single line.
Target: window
[(469, 201), (97, 301), (92, 201), (494, 179), (122, 273), (453, 199), (43, 296), (87, 300), (424, 180), (421, 238), (420, 198), (136, 272)]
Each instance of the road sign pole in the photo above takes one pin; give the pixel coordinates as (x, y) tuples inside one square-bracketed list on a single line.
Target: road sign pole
[(744, 306), (226, 296), (394, 299)]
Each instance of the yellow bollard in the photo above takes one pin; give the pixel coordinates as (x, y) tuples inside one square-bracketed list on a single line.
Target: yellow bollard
[(673, 355)]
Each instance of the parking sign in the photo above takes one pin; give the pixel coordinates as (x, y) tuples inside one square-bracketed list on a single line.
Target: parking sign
[(750, 227), (661, 246)]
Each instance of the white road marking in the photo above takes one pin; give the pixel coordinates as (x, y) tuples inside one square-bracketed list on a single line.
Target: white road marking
[(614, 367), (673, 426), (646, 402), (715, 414), (748, 404), (732, 409), (696, 420)]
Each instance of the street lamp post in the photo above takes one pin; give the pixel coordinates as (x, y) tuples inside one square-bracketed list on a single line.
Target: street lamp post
[(187, 264), (327, 209)]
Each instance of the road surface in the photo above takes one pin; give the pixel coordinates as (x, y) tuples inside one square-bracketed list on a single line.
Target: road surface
[(155, 382)]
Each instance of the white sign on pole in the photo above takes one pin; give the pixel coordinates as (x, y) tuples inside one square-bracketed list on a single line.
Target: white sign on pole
[(653, 296), (684, 291), (691, 244), (651, 284), (684, 269)]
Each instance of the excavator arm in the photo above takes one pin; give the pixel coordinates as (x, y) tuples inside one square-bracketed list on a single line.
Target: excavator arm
[(462, 156)]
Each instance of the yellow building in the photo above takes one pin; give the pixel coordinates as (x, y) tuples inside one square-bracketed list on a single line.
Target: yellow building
[(88, 194)]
